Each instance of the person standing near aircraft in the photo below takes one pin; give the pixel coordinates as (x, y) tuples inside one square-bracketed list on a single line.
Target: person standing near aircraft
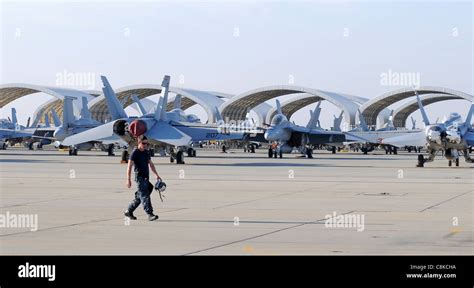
[(141, 160)]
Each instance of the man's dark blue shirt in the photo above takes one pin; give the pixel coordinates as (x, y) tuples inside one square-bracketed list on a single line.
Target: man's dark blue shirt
[(141, 160)]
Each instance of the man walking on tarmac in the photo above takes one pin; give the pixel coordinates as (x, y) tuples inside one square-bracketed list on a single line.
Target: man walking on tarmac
[(140, 158)]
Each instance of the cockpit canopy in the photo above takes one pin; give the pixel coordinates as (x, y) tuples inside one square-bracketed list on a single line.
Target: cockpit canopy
[(278, 119), (6, 124), (193, 118)]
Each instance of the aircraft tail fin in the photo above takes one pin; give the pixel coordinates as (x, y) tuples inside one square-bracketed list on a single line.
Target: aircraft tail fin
[(158, 108), (46, 120), (313, 120), (56, 120), (85, 113), (310, 118), (139, 104), (469, 115), (278, 106), (218, 115), (413, 123), (14, 119), (337, 122), (422, 110), (177, 102), (68, 111), (362, 122), (390, 121), (115, 108), (166, 85)]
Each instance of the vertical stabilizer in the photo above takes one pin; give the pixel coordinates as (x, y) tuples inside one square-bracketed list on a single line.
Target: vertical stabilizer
[(115, 108), (56, 120), (141, 108)]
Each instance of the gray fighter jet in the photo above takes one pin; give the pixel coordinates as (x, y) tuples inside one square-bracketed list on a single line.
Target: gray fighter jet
[(12, 132), (285, 135), (452, 136), (161, 128)]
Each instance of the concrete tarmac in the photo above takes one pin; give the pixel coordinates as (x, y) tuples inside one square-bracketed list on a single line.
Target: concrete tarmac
[(239, 203)]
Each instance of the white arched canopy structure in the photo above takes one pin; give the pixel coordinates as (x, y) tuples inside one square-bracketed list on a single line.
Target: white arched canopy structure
[(237, 107), (14, 91), (190, 97), (400, 115), (371, 109)]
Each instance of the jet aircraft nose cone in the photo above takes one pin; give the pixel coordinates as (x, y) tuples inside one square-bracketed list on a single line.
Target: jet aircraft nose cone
[(270, 135)]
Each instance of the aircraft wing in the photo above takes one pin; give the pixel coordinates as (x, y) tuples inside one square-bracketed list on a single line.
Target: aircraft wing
[(299, 129), (205, 132), (351, 138), (325, 137), (255, 137), (94, 134), (316, 136), (164, 132), (114, 139), (412, 139), (11, 134), (469, 137)]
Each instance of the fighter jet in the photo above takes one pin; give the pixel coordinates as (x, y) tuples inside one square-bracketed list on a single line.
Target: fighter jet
[(71, 126), (451, 136), (368, 139), (286, 135), (161, 128), (43, 134), (12, 132)]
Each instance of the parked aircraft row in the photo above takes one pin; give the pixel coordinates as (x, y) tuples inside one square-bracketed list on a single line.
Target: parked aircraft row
[(176, 132)]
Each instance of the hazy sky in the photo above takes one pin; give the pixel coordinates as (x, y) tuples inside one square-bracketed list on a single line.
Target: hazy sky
[(234, 47)]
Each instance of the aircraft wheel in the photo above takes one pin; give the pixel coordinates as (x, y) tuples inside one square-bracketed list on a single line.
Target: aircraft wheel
[(125, 156), (457, 162), (309, 153), (190, 152), (171, 159), (281, 154), (194, 153), (421, 161), (270, 153), (179, 157), (252, 149), (450, 163), (110, 150)]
